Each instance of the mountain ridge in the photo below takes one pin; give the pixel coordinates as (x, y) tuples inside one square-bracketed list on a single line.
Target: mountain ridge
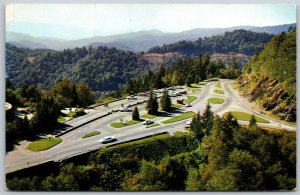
[(134, 41)]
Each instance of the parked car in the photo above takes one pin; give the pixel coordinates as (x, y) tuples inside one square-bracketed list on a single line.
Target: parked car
[(172, 94), (148, 122), (188, 124), (131, 97), (188, 105), (126, 109), (107, 139)]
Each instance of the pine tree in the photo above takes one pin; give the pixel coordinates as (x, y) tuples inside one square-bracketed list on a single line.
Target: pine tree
[(207, 120), (152, 105), (165, 101), (135, 114), (74, 95), (252, 121), (158, 77), (189, 80), (196, 128)]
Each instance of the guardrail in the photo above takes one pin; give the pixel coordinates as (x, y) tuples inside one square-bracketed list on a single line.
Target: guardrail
[(93, 106), (82, 124)]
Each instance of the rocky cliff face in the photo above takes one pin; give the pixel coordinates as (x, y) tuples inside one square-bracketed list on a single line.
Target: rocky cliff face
[(269, 94)]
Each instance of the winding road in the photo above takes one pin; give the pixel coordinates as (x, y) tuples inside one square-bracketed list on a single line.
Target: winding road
[(73, 144)]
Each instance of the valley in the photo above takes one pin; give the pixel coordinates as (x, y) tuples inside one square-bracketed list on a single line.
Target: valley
[(205, 109)]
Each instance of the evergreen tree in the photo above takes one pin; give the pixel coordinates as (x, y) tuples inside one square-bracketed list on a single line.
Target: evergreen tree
[(207, 120), (196, 128), (252, 121), (152, 105), (189, 80), (74, 95), (165, 101), (158, 77), (135, 114)]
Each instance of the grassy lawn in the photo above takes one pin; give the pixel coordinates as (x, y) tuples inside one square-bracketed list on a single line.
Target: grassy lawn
[(61, 119), (148, 116), (243, 116), (203, 83), (190, 99), (196, 85), (219, 91), (179, 117), (90, 134), (218, 85), (128, 123), (216, 100), (153, 125), (176, 106), (105, 100), (180, 133), (44, 144), (71, 114), (195, 89)]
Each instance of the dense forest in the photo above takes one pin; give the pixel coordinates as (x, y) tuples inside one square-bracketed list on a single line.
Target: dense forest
[(238, 41), (44, 105), (101, 68), (217, 154), (107, 69), (269, 78), (183, 72)]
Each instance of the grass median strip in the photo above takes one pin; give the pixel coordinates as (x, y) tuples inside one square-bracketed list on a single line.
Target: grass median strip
[(216, 100), (153, 125), (176, 106), (219, 91), (243, 116), (93, 133), (61, 119), (148, 116), (44, 144), (124, 124), (180, 117), (195, 88), (218, 85), (190, 99), (203, 83), (196, 85)]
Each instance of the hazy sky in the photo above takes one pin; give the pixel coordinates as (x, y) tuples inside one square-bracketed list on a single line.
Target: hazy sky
[(73, 21)]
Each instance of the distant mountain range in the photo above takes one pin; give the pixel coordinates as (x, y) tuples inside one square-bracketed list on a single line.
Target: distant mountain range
[(135, 41)]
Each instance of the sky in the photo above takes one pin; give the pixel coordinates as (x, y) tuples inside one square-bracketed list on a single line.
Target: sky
[(74, 21)]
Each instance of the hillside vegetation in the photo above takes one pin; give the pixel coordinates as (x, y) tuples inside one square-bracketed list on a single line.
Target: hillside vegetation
[(269, 78), (102, 68), (217, 155), (238, 41), (107, 69)]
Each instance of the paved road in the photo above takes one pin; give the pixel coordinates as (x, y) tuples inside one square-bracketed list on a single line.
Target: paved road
[(73, 144)]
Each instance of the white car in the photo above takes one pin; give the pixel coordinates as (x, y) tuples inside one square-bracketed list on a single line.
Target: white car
[(188, 122), (126, 109), (147, 122), (131, 97), (172, 94), (107, 139), (188, 105)]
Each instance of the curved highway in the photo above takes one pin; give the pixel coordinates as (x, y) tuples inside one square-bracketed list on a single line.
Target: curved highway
[(73, 144)]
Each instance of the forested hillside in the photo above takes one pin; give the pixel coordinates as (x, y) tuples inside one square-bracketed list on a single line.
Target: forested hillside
[(238, 41), (107, 69), (218, 156), (102, 68), (269, 78)]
